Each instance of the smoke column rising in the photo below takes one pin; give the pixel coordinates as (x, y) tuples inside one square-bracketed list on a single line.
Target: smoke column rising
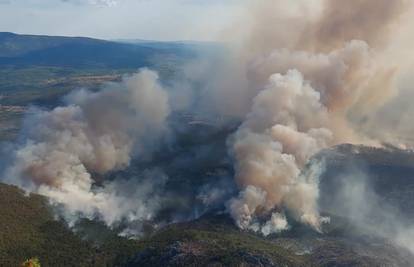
[(307, 79), (65, 148), (299, 75)]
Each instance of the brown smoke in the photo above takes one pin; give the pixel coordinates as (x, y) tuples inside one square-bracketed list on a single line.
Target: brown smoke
[(302, 75), (318, 26), (308, 71), (342, 21), (96, 132)]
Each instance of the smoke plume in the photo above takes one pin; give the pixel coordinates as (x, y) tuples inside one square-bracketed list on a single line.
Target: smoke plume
[(297, 77), (306, 80), (65, 149)]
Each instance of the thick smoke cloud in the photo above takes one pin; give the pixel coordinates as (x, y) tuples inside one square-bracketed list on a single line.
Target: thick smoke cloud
[(303, 85), (297, 77), (341, 21), (272, 146), (65, 149)]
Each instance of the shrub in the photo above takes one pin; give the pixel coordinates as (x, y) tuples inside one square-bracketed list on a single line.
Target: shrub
[(34, 262)]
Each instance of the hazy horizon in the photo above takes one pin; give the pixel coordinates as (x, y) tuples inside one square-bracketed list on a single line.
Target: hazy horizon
[(174, 20)]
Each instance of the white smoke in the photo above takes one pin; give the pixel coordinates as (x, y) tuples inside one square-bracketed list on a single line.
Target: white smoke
[(355, 198), (65, 149), (284, 129), (276, 224), (308, 89), (244, 207), (300, 81)]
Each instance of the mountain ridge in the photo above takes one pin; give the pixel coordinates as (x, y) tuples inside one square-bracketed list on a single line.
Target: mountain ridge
[(43, 50)]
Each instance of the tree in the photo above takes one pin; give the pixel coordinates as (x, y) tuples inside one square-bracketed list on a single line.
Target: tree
[(33, 262)]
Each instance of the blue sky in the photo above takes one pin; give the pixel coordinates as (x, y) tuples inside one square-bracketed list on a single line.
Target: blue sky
[(113, 19)]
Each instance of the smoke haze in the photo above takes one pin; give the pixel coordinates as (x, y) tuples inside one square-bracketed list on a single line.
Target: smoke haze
[(295, 77), (65, 148)]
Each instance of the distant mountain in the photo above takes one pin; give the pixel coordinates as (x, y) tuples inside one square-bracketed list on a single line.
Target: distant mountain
[(196, 44), (15, 45), (39, 50)]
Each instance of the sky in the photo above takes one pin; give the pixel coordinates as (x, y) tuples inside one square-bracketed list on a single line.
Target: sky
[(201, 20)]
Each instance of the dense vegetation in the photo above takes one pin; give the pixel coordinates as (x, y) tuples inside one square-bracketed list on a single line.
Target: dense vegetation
[(29, 230)]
